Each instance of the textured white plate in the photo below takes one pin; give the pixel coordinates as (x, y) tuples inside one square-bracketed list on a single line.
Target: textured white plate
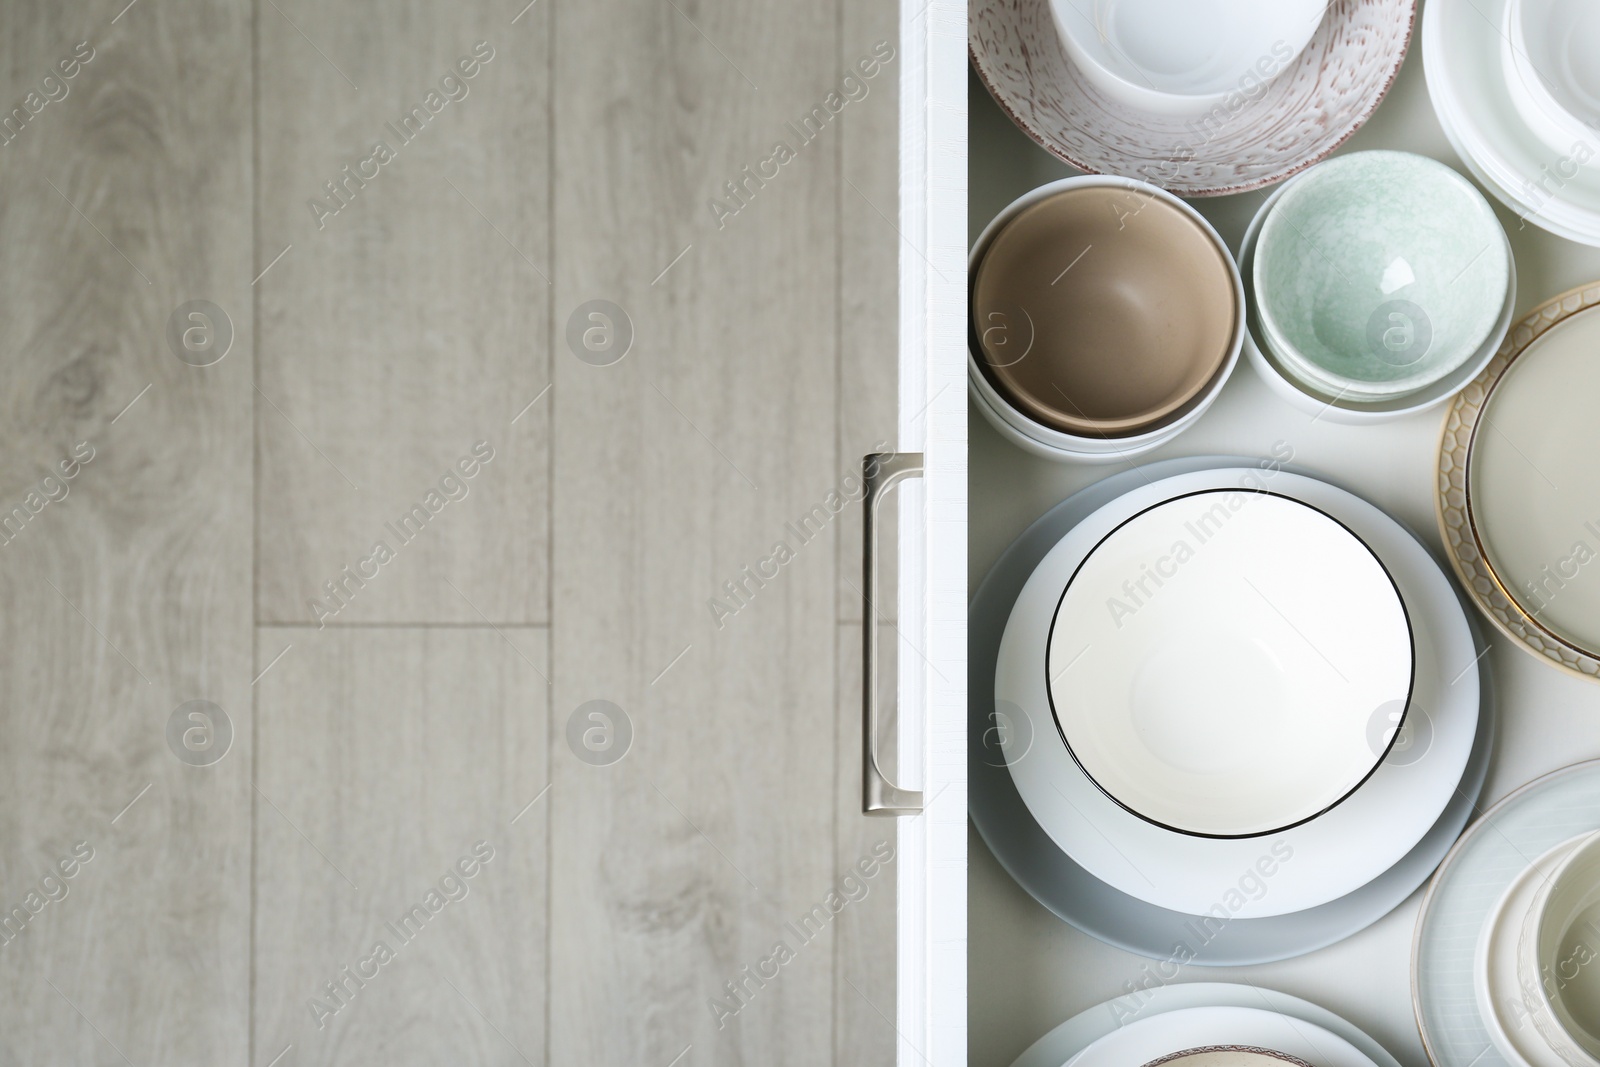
[(1155, 1036), (1489, 857), (1077, 1033), (1216, 659), (1303, 867)]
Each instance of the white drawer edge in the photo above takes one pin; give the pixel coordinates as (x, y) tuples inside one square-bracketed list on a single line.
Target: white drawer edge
[(932, 915)]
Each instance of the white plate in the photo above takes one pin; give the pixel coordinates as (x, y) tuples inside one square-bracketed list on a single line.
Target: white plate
[(1151, 1038), (1472, 879), (1077, 897), (1060, 1045), (1216, 660), (1305, 866), (1501, 1004), (1462, 60)]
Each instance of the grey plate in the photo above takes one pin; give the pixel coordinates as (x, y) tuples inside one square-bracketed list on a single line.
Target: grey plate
[(1072, 893)]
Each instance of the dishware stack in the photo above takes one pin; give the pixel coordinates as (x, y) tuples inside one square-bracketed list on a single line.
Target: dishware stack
[(1379, 284), (1105, 317), (1506, 956), (1516, 86), (1223, 707), (1199, 97)]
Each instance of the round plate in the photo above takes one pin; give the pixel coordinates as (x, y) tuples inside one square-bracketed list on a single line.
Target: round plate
[(1060, 1045), (1488, 858), (1501, 1004), (1241, 642), (1463, 63), (1077, 897), (1155, 1036), (1302, 867), (1259, 135), (1456, 496)]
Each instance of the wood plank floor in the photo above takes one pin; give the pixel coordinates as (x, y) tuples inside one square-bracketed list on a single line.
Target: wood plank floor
[(522, 741)]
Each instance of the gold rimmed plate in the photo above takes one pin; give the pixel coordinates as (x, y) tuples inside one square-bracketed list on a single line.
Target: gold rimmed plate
[(1518, 486)]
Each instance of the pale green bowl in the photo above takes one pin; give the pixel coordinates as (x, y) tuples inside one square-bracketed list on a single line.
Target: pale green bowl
[(1379, 273)]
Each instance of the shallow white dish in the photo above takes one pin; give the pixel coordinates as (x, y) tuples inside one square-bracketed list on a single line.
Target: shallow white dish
[(1466, 75), (1331, 856), (1241, 643), (1152, 1037), (1077, 897), (1182, 57), (1502, 1004), (1482, 865), (1344, 409), (1060, 1045)]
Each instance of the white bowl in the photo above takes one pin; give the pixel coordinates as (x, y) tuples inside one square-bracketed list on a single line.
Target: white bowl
[(1344, 409), (1183, 57), (1558, 956), (1552, 68), (1047, 441)]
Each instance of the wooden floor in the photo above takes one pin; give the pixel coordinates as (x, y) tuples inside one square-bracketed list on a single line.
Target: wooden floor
[(412, 385)]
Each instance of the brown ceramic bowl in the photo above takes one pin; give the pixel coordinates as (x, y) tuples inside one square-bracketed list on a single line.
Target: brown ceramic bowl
[(1103, 307)]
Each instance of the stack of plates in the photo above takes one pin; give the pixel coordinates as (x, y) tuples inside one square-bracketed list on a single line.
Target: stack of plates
[(1486, 991), (1517, 484), (1161, 650), (1154, 1023), (1486, 87), (1270, 111)]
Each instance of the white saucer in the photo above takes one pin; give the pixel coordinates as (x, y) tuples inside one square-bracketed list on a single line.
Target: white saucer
[(1060, 1045), (1077, 897), (1299, 868), (1470, 882)]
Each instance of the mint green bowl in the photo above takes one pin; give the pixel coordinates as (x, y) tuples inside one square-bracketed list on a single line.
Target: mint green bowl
[(1379, 273)]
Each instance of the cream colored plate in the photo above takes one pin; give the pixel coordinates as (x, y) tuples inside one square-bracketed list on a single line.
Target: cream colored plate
[(1519, 489)]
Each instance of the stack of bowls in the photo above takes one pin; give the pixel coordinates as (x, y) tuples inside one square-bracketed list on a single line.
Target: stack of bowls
[(1551, 50), (1381, 283), (1105, 317), (1537, 966)]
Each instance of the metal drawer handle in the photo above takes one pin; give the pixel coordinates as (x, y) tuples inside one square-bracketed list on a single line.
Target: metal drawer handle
[(881, 471)]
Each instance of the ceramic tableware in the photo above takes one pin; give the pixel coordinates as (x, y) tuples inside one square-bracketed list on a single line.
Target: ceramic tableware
[(1551, 52), (1146, 1039), (1182, 57), (1105, 318), (1553, 187), (1558, 955), (1497, 982), (1379, 273), (1256, 136), (1061, 1044), (1491, 855), (1334, 854), (1067, 889), (1333, 406), (1227, 1056), (1216, 659), (1516, 487)]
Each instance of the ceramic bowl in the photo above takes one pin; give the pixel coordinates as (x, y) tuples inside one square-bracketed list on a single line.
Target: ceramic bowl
[(1558, 957), (1330, 405), (1233, 684), (1105, 317), (1268, 128), (1183, 57), (1378, 274), (1552, 68)]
